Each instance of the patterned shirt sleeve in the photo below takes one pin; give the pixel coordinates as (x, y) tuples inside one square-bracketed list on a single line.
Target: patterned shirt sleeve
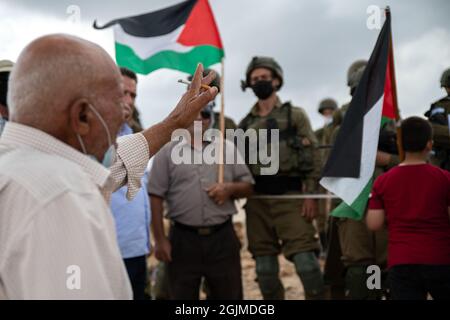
[(132, 159)]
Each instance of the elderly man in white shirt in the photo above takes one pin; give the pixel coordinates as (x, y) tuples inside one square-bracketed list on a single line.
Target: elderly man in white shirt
[(58, 167)]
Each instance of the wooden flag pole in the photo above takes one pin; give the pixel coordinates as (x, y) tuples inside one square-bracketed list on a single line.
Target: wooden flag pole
[(222, 123), (401, 152)]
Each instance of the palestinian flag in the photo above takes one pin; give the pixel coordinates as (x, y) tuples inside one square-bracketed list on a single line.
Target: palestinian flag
[(177, 37), (349, 170)]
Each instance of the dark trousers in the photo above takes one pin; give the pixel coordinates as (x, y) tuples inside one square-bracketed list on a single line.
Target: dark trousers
[(215, 257), (137, 272), (414, 282)]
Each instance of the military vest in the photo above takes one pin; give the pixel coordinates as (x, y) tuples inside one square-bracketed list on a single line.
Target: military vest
[(438, 116), (295, 158)]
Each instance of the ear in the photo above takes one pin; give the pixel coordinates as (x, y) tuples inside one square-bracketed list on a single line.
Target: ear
[(80, 116), (276, 82), (430, 145)]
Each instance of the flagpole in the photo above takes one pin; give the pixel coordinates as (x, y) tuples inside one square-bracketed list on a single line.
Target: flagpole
[(401, 152), (222, 122)]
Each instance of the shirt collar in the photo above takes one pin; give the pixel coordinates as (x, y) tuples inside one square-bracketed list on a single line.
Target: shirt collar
[(254, 110), (21, 135)]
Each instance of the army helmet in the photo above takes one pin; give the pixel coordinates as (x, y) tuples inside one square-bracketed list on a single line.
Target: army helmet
[(6, 66), (262, 62), (356, 77), (354, 72), (214, 83), (445, 78), (327, 103)]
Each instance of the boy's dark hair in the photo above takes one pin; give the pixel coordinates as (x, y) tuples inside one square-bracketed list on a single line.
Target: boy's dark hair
[(416, 132), (128, 73)]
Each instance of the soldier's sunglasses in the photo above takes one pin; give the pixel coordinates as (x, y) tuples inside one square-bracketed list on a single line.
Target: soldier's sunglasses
[(205, 114)]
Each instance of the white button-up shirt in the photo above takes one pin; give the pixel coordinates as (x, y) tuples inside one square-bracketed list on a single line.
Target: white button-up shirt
[(57, 234)]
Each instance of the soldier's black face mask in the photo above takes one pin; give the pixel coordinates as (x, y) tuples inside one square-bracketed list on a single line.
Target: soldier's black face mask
[(263, 89)]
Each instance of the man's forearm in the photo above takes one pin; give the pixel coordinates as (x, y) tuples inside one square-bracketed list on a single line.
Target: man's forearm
[(157, 217), (239, 189)]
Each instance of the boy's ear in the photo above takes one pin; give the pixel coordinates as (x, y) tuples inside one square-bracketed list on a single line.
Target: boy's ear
[(429, 145)]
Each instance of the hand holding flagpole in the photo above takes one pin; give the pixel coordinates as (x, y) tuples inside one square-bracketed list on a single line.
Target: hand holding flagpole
[(222, 124)]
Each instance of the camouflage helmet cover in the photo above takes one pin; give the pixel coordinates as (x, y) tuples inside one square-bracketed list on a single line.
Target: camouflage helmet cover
[(327, 103), (354, 67), (6, 65), (262, 62), (356, 77), (445, 79)]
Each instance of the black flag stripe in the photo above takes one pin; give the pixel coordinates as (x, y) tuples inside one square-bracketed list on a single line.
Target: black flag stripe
[(156, 23), (345, 156)]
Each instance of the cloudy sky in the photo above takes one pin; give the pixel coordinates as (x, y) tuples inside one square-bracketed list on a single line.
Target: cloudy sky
[(314, 41)]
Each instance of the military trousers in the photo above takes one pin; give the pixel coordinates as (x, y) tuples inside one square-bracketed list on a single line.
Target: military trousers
[(276, 226)]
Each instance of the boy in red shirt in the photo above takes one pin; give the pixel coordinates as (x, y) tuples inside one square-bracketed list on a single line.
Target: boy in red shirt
[(414, 198)]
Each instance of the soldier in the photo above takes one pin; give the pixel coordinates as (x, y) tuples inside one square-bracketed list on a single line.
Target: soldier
[(5, 69), (359, 246), (326, 108), (439, 117), (229, 123), (277, 226), (334, 270)]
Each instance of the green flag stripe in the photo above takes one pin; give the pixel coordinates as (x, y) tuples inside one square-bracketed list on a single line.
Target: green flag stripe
[(385, 119), (357, 208), (182, 61)]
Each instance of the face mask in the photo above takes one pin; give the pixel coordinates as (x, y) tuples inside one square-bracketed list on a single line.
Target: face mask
[(327, 120), (110, 155), (263, 89)]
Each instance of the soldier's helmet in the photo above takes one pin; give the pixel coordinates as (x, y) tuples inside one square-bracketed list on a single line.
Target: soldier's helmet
[(327, 103), (214, 83), (445, 78), (355, 67), (356, 77), (6, 65), (262, 62)]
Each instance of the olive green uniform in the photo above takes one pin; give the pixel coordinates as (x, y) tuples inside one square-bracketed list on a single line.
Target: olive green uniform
[(322, 214), (276, 226), (438, 116), (323, 204), (229, 123)]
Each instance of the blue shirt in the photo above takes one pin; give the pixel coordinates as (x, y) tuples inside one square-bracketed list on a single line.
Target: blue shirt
[(2, 124), (132, 217)]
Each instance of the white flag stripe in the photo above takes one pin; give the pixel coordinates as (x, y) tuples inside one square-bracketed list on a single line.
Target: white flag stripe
[(146, 47), (348, 189)]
